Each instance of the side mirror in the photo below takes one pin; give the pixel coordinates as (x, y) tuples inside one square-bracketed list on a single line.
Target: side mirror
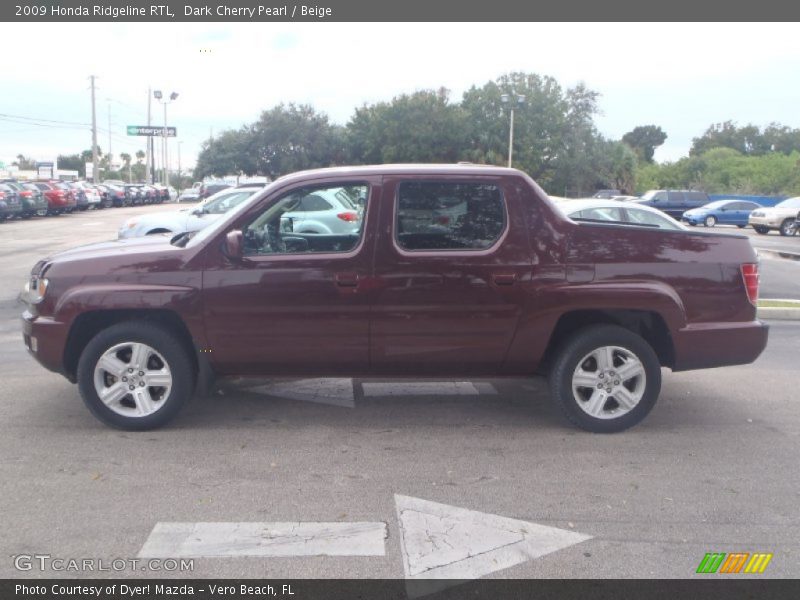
[(232, 246)]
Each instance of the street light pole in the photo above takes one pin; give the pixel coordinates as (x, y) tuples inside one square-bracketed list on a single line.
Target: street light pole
[(172, 97), (512, 100)]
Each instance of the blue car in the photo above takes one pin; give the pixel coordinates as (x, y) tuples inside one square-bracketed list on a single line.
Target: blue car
[(721, 212)]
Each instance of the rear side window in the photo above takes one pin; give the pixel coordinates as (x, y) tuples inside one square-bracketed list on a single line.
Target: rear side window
[(697, 197), (449, 216), (676, 197)]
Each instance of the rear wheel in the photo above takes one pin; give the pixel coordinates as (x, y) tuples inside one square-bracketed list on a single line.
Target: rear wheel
[(605, 378), (135, 376), (787, 227)]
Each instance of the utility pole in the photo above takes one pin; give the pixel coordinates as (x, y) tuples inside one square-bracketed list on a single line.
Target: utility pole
[(166, 156), (109, 137), (95, 172), (179, 161), (148, 138)]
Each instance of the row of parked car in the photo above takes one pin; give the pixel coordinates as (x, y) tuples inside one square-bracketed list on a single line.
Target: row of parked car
[(696, 208), (24, 199)]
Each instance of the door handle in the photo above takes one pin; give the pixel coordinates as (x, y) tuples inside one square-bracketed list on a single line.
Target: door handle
[(348, 280), (504, 278)]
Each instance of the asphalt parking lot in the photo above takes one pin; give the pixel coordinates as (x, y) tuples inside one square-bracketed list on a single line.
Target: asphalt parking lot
[(388, 467)]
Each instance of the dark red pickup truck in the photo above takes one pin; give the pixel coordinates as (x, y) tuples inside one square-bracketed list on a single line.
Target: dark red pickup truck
[(436, 270)]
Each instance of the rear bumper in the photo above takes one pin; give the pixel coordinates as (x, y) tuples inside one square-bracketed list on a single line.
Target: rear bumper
[(705, 345), (45, 339)]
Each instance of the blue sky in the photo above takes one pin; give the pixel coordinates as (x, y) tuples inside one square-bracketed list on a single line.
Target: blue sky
[(682, 77)]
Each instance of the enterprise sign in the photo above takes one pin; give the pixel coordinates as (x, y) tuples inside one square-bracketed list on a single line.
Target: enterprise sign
[(150, 130)]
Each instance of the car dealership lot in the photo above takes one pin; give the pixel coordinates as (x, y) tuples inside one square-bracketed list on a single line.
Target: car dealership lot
[(712, 469)]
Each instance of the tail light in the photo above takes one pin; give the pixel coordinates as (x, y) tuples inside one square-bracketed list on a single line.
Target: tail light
[(750, 277), (348, 217), (2, 195), (443, 220), (26, 193)]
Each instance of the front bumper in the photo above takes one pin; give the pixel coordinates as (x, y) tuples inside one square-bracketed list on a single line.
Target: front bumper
[(45, 339), (693, 219), (764, 221), (706, 345)]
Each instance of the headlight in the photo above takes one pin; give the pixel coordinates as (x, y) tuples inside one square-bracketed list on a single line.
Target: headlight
[(36, 288), (131, 223)]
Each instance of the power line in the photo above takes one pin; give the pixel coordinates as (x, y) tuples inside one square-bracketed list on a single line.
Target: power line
[(44, 120)]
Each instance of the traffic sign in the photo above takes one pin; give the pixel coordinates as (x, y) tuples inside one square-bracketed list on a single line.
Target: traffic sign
[(151, 130)]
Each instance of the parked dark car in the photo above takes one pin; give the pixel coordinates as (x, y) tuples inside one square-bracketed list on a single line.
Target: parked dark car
[(118, 194), (10, 205), (506, 285), (721, 212), (136, 194), (209, 189), (31, 198), (59, 198), (81, 201), (674, 202)]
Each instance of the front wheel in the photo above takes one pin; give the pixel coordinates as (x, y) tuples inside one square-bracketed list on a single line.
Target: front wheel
[(135, 376), (605, 378), (710, 221), (760, 229)]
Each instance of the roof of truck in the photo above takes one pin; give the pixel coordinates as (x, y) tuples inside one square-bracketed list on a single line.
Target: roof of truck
[(406, 169)]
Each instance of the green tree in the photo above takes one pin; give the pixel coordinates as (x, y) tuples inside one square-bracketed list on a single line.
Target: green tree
[(140, 156), (747, 139), (72, 162), (644, 140), (418, 127), (24, 163)]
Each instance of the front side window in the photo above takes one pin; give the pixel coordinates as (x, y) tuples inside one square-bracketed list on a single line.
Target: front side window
[(449, 216), (645, 217), (308, 220)]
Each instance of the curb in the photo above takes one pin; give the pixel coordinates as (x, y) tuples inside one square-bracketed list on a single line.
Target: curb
[(779, 313)]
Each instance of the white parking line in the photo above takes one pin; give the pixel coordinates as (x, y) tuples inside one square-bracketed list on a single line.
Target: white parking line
[(427, 388), (186, 540)]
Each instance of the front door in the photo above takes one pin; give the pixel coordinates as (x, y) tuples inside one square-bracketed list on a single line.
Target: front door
[(296, 302)]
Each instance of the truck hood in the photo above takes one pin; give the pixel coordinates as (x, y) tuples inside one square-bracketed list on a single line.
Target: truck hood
[(152, 244)]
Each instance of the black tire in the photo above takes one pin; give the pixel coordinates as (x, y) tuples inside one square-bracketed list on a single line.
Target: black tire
[(787, 227), (760, 229), (741, 226), (167, 344), (710, 221), (575, 349)]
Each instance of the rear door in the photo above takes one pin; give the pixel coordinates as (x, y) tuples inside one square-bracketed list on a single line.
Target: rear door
[(451, 260), (676, 204)]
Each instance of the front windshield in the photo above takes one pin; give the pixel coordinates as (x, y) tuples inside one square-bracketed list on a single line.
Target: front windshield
[(221, 205), (790, 203), (211, 230)]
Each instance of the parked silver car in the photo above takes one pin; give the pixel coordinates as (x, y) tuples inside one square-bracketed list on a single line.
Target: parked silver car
[(335, 210), (187, 219)]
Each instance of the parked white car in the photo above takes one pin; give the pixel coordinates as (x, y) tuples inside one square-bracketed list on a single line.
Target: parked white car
[(780, 217), (325, 211), (186, 219), (592, 209)]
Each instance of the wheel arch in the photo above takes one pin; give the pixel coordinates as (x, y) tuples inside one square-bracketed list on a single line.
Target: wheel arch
[(88, 324), (650, 325)]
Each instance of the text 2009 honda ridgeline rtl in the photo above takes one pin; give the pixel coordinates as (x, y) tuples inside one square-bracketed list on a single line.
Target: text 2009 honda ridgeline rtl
[(446, 271)]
